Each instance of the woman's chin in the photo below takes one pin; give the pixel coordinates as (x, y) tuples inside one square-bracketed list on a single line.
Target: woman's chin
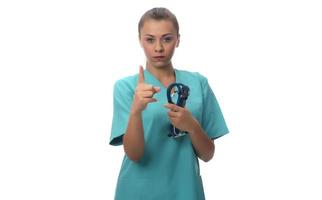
[(160, 64)]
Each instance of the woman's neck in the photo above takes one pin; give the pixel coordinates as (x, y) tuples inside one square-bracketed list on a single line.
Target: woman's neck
[(162, 73)]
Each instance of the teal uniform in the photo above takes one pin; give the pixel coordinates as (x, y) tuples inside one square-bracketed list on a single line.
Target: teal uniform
[(169, 168)]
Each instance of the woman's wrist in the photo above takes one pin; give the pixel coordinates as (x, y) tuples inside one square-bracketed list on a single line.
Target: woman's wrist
[(194, 126), (135, 111)]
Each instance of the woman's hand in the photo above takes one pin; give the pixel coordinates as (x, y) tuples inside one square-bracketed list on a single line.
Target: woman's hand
[(180, 117), (143, 94)]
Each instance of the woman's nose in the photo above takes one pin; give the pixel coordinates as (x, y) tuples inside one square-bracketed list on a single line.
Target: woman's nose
[(158, 47)]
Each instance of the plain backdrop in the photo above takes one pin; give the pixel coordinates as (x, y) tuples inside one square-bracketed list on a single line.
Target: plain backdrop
[(59, 61)]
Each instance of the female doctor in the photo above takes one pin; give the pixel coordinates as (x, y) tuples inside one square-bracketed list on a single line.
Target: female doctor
[(156, 166)]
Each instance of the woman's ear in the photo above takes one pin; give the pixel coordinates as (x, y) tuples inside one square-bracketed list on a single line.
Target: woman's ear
[(178, 40), (139, 37)]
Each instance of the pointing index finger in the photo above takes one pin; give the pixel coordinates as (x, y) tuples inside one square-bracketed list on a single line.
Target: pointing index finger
[(141, 75)]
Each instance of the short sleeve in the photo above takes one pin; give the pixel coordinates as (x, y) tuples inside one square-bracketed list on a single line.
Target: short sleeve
[(122, 100), (213, 121)]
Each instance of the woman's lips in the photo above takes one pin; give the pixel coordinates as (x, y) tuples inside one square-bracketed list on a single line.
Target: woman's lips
[(159, 57)]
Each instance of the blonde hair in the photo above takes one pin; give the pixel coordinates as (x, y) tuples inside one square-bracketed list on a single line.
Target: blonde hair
[(159, 13)]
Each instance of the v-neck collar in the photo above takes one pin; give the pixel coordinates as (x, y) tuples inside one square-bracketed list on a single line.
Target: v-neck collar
[(150, 76)]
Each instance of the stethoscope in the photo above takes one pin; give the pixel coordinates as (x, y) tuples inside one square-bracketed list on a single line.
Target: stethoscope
[(183, 92)]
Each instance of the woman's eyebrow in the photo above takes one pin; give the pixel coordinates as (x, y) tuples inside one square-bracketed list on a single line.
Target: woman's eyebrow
[(171, 34), (167, 34)]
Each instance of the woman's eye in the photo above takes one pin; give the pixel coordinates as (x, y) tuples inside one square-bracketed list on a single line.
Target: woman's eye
[(168, 39), (150, 40)]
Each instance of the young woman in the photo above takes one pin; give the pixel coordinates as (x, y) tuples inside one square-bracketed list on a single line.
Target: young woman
[(156, 166)]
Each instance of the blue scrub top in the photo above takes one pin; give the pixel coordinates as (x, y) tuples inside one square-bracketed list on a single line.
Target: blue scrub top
[(169, 168)]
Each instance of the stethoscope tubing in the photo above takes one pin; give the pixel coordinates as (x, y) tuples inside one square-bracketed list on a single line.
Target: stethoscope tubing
[(183, 93)]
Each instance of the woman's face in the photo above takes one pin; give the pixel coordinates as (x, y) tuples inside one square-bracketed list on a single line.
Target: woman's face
[(159, 39)]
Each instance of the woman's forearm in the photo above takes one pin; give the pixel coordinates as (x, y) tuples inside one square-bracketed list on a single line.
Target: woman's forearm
[(133, 140), (203, 145)]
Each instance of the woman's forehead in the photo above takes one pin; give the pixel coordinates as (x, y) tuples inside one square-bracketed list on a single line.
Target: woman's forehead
[(157, 27)]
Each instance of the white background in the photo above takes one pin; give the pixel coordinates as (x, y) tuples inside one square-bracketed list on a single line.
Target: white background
[(59, 60)]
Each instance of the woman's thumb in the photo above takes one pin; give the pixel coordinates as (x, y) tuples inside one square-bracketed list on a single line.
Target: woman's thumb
[(156, 89)]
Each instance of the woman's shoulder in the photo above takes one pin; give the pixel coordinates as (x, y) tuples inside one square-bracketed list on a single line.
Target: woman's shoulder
[(192, 75), (126, 82)]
